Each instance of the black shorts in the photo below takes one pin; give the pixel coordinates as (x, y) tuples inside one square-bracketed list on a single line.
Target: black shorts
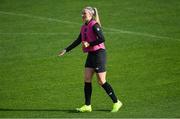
[(96, 60)]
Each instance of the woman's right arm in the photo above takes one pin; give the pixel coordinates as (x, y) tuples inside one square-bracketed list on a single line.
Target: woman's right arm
[(71, 46)]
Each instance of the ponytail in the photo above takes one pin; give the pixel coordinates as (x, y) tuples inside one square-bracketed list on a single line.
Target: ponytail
[(96, 16)]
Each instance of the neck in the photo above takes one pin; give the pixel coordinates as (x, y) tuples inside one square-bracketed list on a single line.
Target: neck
[(87, 22)]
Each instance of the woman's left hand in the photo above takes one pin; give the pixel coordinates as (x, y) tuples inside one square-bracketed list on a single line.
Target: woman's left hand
[(85, 44)]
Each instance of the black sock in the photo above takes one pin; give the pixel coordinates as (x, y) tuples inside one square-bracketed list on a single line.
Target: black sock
[(87, 93), (107, 87)]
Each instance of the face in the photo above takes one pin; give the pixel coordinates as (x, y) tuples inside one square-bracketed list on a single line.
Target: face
[(86, 16)]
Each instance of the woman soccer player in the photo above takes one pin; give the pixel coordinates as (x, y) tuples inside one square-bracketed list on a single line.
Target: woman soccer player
[(92, 40)]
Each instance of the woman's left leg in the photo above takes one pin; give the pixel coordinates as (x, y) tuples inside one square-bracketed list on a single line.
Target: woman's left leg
[(107, 87), (109, 90)]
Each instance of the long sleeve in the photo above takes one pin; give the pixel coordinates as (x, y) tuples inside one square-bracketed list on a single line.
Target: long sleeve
[(100, 37), (74, 44)]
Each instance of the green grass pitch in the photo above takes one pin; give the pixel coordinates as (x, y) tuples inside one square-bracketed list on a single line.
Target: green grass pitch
[(143, 58)]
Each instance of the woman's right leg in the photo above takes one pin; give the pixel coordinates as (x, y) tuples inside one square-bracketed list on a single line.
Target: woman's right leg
[(88, 74)]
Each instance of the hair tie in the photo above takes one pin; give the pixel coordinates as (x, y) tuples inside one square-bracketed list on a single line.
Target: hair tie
[(94, 11)]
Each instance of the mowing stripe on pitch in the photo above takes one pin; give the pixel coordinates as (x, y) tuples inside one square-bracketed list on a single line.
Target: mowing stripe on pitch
[(113, 30)]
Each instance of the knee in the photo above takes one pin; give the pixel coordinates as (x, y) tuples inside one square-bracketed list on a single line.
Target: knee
[(101, 82), (87, 79)]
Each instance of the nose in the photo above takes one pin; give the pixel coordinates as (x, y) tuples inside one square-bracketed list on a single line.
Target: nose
[(83, 16)]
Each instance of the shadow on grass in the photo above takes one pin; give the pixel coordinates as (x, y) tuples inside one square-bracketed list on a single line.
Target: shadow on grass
[(48, 110), (53, 110)]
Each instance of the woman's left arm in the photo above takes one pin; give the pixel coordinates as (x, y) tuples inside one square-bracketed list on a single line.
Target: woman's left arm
[(100, 37)]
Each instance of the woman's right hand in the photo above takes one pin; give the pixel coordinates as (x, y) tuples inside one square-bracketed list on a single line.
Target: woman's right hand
[(62, 52), (85, 44)]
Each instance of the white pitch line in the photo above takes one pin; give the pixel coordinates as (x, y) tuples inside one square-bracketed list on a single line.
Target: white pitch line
[(139, 34), (113, 30), (117, 31), (37, 17), (61, 33)]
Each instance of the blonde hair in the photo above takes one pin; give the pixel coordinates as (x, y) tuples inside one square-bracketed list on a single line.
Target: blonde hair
[(96, 16), (94, 13)]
